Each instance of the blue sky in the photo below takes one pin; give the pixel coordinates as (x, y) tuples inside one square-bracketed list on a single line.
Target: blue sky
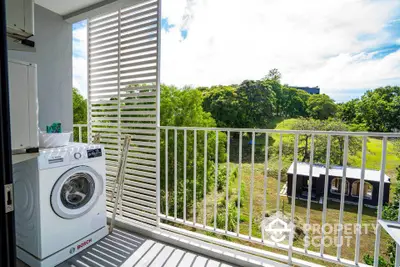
[(79, 56), (343, 46)]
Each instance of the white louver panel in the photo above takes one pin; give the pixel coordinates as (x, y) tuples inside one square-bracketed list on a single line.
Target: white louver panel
[(123, 83)]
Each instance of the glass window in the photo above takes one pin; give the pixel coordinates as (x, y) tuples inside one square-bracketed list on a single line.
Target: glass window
[(368, 189), (336, 186)]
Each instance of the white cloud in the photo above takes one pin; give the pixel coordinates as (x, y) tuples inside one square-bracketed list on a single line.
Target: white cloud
[(312, 42), (80, 75)]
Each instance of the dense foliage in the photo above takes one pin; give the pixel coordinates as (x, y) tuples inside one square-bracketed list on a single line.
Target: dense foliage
[(253, 104), (321, 107), (184, 108), (79, 106), (378, 110)]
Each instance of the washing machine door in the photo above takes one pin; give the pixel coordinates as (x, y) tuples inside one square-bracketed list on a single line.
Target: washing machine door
[(76, 192)]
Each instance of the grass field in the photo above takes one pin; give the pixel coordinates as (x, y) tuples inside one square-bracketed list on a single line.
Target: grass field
[(374, 147)]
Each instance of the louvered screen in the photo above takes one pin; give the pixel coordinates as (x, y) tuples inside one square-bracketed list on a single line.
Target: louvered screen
[(123, 81)]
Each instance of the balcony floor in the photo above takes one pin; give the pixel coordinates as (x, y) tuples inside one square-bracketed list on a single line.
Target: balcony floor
[(128, 249)]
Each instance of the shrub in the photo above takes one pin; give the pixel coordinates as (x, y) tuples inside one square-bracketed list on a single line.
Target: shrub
[(232, 218)]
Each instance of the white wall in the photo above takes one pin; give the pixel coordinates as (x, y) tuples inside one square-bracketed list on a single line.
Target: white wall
[(53, 56)]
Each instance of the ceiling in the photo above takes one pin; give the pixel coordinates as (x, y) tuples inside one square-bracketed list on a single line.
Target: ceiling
[(65, 7)]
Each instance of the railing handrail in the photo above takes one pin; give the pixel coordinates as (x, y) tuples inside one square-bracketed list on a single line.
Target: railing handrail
[(257, 130), (342, 133)]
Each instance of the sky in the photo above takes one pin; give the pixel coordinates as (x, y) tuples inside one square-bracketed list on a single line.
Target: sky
[(343, 46)]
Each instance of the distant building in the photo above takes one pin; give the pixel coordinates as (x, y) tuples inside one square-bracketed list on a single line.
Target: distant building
[(310, 90), (352, 188)]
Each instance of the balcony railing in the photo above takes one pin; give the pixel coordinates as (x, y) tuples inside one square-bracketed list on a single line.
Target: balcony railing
[(253, 162)]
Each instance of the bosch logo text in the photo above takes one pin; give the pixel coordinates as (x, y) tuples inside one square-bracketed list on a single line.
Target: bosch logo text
[(84, 244)]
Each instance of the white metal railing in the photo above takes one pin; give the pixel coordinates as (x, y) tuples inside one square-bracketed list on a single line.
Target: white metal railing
[(81, 136), (254, 211), (201, 138)]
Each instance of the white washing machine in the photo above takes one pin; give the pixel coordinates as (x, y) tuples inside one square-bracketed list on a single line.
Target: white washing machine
[(60, 203)]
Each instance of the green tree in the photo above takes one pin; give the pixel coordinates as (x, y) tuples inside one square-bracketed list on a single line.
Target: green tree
[(321, 107), (222, 102), (305, 139), (347, 111), (257, 102), (79, 107), (79, 104), (337, 142), (320, 141), (184, 108), (273, 74), (380, 109), (279, 98), (293, 102)]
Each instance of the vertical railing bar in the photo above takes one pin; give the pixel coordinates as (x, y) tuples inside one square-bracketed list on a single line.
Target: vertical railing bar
[(397, 259), (361, 200), (175, 173), (253, 140), (380, 202), (293, 200), (166, 173), (342, 198), (205, 182), (310, 183), (80, 134), (89, 102), (184, 173), (194, 175), (325, 201), (265, 179), (227, 180), (216, 181), (278, 199), (239, 184)]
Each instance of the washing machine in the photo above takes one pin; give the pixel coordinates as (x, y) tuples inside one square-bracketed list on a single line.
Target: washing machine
[(60, 203)]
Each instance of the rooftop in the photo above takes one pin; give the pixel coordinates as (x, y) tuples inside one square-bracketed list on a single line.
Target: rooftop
[(303, 168), (310, 90)]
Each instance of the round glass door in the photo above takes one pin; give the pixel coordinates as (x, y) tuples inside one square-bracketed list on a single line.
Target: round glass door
[(76, 191)]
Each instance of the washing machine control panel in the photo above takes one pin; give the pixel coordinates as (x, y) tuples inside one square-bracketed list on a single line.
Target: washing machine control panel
[(72, 154)]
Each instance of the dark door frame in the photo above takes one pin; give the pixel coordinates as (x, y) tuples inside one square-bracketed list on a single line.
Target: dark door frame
[(7, 227)]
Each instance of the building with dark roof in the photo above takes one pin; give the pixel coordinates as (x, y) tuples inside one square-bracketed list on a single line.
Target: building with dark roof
[(352, 189), (310, 90)]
